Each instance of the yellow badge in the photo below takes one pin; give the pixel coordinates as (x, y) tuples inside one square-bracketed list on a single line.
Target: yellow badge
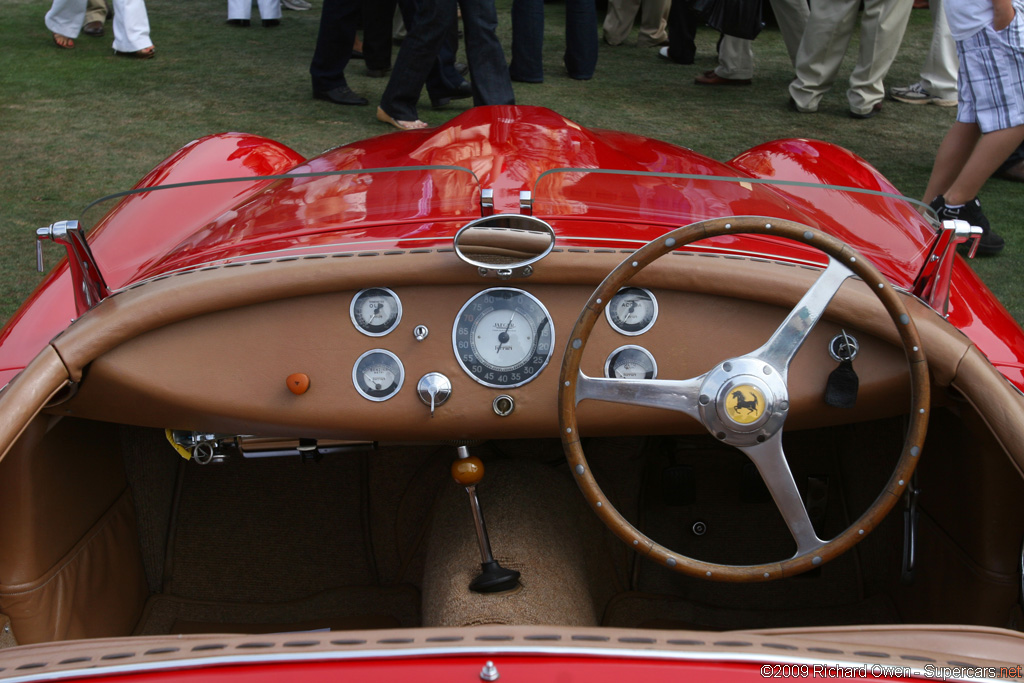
[(745, 404)]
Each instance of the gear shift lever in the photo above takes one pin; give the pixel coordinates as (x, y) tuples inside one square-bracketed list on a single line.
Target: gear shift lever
[(467, 471)]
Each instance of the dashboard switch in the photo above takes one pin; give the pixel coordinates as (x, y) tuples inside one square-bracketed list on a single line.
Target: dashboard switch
[(298, 383), (434, 389)]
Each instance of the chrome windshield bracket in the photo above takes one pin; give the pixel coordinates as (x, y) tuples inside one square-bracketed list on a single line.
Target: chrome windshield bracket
[(526, 202), (932, 283), (87, 280), (486, 203)]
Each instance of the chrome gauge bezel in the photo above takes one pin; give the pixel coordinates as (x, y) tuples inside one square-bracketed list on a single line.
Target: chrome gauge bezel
[(479, 369), (359, 386), (632, 347), (355, 320), (632, 333)]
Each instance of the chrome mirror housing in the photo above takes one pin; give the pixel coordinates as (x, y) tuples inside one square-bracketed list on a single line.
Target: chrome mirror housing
[(505, 245)]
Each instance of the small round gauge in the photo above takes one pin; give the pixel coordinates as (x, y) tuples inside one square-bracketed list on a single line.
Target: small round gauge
[(376, 311), (632, 311), (378, 375), (630, 362), (503, 337)]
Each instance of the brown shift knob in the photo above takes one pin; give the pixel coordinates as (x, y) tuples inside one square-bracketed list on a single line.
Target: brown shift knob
[(467, 471)]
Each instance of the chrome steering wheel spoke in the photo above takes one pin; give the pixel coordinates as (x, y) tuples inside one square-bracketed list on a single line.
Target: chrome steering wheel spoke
[(770, 460), (779, 350), (679, 395)]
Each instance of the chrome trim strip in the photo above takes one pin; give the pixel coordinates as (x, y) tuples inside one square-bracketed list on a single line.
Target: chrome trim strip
[(491, 651)]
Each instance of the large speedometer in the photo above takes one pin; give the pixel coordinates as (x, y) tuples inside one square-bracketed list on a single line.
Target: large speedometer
[(503, 337)]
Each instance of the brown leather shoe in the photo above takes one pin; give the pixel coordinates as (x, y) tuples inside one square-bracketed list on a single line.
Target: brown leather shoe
[(93, 28), (712, 78)]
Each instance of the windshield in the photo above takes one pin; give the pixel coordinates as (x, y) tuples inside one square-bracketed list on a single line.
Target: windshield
[(151, 231)]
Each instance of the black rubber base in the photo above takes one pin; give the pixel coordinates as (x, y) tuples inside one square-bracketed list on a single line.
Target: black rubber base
[(494, 579)]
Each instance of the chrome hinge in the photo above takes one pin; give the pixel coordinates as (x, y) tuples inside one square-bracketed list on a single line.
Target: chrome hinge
[(87, 280), (932, 283), (486, 203)]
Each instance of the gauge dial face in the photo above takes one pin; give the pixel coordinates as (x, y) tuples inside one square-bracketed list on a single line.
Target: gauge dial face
[(503, 337), (632, 311), (378, 375), (376, 311), (630, 362)]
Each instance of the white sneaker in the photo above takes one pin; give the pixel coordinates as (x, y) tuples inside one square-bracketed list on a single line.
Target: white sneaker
[(916, 94), (299, 5)]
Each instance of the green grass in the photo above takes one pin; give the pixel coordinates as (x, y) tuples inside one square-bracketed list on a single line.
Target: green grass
[(77, 124)]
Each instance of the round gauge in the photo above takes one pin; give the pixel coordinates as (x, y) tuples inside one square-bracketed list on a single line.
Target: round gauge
[(378, 375), (632, 311), (503, 337), (630, 362), (376, 311)]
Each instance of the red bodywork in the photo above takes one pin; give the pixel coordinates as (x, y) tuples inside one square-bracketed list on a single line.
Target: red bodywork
[(509, 149)]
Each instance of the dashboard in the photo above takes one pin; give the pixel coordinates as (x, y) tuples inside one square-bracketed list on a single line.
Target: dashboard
[(351, 364)]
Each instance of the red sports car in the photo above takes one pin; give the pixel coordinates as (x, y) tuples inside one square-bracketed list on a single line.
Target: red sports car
[(511, 397)]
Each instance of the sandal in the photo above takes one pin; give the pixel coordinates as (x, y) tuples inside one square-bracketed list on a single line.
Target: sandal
[(144, 53), (400, 125), (63, 42)]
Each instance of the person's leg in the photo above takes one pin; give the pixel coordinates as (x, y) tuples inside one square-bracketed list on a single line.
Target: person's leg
[(986, 156), (882, 26), (938, 74), (416, 57), (338, 20), (96, 13), (487, 68), (682, 33), (653, 20), (829, 29), (65, 18), (581, 41), (527, 63), (618, 22), (239, 10), (377, 18), (131, 26), (735, 59), (270, 9), (791, 16), (954, 151)]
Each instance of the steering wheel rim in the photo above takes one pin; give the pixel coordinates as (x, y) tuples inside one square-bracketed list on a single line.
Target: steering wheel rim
[(573, 383)]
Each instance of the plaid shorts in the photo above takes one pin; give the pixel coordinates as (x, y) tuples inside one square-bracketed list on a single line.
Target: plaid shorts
[(991, 81)]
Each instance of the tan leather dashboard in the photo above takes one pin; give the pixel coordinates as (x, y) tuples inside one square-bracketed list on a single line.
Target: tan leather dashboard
[(225, 370)]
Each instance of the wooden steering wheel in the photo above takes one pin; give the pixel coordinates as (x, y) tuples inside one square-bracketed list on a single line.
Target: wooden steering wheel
[(710, 399)]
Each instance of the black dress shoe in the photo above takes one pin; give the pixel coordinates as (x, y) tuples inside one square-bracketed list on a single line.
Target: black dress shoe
[(464, 90), (341, 95), (377, 73), (268, 23), (239, 22)]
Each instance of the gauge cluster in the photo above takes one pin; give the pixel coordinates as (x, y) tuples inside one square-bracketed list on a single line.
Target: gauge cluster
[(502, 337)]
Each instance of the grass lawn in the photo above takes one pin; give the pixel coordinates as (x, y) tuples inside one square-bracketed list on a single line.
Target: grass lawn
[(78, 124)]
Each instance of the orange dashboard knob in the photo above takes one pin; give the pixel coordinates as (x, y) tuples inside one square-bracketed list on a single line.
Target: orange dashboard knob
[(298, 383), (467, 471)]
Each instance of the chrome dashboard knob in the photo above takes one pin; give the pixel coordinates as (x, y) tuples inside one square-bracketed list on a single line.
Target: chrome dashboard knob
[(434, 389)]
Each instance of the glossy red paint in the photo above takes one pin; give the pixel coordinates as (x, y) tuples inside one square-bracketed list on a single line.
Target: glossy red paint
[(509, 150), (142, 226), (512, 669)]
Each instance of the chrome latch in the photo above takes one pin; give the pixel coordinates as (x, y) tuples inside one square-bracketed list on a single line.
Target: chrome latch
[(932, 283), (486, 203), (87, 280), (526, 202)]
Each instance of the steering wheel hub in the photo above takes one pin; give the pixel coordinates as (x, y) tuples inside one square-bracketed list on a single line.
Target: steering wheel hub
[(743, 401)]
